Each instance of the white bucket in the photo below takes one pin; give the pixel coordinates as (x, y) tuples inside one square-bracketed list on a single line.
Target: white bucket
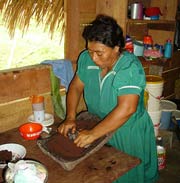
[(154, 88), (156, 130), (155, 117), (167, 107)]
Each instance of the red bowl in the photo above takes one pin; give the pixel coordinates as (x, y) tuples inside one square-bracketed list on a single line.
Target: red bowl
[(30, 131)]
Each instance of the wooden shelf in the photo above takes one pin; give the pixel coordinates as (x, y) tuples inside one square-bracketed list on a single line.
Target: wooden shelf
[(169, 69), (150, 21)]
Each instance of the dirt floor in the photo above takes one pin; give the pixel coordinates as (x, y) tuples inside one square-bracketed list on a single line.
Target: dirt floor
[(171, 173)]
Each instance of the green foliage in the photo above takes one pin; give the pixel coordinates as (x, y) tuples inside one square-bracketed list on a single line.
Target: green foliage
[(31, 48)]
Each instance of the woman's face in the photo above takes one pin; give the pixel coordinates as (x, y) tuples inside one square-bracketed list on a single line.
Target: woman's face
[(102, 55)]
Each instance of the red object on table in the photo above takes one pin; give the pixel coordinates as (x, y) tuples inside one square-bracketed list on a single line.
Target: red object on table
[(30, 131)]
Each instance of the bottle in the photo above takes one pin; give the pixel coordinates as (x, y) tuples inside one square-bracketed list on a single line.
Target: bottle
[(161, 152), (168, 49), (38, 108)]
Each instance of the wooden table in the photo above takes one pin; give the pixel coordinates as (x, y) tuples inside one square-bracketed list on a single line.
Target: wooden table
[(104, 166)]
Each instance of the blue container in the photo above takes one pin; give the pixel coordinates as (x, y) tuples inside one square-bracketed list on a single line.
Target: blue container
[(155, 17), (168, 49), (167, 107), (165, 120)]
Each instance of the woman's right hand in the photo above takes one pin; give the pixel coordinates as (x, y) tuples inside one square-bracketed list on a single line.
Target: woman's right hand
[(66, 126)]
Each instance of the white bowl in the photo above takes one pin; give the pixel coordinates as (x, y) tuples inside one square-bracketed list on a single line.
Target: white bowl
[(49, 119), (18, 151), (40, 171)]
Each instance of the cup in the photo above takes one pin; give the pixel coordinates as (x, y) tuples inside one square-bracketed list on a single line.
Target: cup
[(38, 108)]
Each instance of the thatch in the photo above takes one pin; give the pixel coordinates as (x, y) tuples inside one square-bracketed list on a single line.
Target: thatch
[(18, 13)]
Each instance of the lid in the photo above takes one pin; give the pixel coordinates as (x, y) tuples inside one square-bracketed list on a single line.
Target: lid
[(36, 99), (160, 149), (159, 138), (138, 43), (151, 79), (168, 41), (166, 105)]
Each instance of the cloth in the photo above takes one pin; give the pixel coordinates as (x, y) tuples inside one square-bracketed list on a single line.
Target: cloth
[(56, 97), (62, 69), (126, 77)]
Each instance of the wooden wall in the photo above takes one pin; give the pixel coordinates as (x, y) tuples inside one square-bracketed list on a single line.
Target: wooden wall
[(16, 88), (80, 12)]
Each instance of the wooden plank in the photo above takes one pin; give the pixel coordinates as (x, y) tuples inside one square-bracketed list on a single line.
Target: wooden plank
[(137, 30), (24, 82), (15, 113), (160, 36), (163, 26), (85, 18), (105, 7), (72, 24), (87, 6), (114, 8)]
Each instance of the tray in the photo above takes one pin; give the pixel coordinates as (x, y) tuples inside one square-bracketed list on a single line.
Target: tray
[(68, 162)]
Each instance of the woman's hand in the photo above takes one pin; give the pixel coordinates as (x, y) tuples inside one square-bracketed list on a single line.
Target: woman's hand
[(66, 126), (84, 138)]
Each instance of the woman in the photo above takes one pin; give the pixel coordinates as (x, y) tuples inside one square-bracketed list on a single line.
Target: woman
[(113, 84)]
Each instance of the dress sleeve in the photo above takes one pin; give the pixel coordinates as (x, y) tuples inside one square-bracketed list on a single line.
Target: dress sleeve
[(130, 79)]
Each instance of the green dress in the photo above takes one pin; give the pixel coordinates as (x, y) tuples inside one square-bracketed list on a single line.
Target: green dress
[(136, 137)]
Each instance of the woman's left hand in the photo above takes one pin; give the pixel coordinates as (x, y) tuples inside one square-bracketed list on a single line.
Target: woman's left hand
[(84, 138)]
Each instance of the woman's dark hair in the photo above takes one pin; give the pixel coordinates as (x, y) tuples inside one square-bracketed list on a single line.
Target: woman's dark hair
[(104, 29)]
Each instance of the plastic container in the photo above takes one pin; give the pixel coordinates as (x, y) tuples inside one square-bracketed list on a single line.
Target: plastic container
[(167, 107), (138, 48), (168, 49), (161, 152), (155, 117), (30, 131), (154, 17), (154, 88), (137, 11), (148, 40), (38, 108)]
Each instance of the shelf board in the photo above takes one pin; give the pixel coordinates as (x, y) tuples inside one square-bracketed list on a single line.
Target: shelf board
[(150, 21), (166, 25)]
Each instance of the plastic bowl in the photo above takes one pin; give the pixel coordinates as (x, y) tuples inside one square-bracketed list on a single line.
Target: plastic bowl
[(30, 131)]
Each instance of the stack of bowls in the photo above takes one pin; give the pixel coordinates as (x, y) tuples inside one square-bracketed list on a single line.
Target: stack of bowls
[(154, 89)]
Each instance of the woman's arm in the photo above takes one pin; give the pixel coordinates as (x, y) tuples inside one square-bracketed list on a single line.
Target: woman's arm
[(73, 96), (126, 106)]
